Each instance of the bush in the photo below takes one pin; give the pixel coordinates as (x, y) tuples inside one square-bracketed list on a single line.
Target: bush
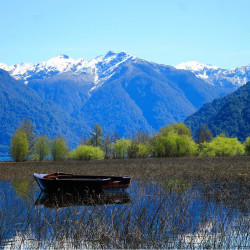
[(85, 152), (247, 146), (174, 144), (222, 146)]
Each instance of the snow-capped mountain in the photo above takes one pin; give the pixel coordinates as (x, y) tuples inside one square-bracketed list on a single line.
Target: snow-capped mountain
[(229, 78), (100, 68), (123, 93)]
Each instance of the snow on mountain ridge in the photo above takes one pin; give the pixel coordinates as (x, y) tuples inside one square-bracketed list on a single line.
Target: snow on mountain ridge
[(103, 67), (195, 66), (229, 78), (99, 67)]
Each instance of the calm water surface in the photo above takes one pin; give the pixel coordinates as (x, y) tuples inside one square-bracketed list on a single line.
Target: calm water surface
[(5, 158), (168, 213)]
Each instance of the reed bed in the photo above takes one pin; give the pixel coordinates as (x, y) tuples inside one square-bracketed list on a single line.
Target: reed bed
[(186, 167), (180, 203)]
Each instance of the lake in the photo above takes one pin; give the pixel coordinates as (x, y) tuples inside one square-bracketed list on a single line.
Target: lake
[(170, 213), (5, 158)]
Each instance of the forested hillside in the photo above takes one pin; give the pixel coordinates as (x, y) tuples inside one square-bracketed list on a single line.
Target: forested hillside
[(229, 115), (18, 101)]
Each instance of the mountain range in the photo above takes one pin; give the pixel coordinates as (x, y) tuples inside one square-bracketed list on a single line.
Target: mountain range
[(123, 93)]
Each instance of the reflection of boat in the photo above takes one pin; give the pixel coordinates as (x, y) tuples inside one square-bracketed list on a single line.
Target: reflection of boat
[(70, 182), (64, 199)]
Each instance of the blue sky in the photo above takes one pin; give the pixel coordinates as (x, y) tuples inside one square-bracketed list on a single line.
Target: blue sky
[(164, 31)]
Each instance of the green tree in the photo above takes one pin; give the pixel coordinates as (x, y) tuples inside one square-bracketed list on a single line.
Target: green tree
[(28, 127), (120, 148), (86, 152), (141, 136), (181, 129), (107, 145), (144, 149), (178, 128), (247, 146), (222, 146), (164, 131), (19, 146), (185, 146), (42, 147), (59, 149), (95, 138), (133, 150), (174, 144), (204, 134)]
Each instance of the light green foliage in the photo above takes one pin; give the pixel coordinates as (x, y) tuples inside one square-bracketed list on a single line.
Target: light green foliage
[(139, 150), (95, 136), (247, 146), (59, 149), (42, 147), (185, 146), (174, 144), (222, 146), (178, 128), (181, 129), (164, 131), (19, 147), (85, 152), (120, 148), (144, 149)]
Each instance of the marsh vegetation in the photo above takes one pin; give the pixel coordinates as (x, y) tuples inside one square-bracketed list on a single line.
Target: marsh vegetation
[(172, 203)]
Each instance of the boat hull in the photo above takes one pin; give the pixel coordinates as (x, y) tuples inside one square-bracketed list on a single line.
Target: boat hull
[(72, 183)]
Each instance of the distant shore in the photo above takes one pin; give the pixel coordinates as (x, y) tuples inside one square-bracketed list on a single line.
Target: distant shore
[(237, 168)]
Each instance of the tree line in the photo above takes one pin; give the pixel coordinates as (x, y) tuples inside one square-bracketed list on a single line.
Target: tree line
[(171, 141)]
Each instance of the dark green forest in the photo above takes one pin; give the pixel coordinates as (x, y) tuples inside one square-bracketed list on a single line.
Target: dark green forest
[(229, 115)]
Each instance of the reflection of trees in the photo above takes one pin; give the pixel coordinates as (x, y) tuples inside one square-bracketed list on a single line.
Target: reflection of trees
[(23, 188), (176, 185)]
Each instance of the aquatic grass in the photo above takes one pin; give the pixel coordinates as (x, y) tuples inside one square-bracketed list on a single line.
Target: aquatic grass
[(174, 204)]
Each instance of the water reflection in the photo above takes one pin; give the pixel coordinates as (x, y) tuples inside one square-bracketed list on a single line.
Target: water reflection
[(170, 213), (64, 199)]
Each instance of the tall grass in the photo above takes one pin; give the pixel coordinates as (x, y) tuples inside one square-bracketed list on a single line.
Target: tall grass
[(164, 213)]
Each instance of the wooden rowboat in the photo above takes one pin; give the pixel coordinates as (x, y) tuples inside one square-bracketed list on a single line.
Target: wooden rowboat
[(70, 182)]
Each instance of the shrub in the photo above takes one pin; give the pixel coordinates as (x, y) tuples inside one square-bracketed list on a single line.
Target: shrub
[(85, 152), (222, 146), (174, 144)]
